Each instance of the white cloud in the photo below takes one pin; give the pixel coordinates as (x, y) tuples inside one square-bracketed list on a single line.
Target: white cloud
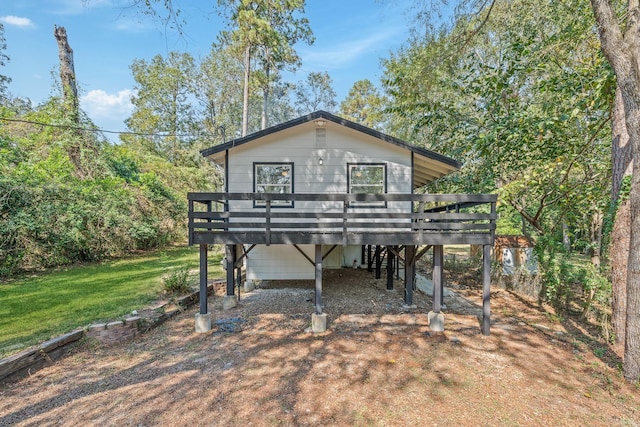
[(346, 52), (102, 105), (17, 21)]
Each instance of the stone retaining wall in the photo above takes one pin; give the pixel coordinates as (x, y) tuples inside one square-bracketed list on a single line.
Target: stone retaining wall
[(29, 361)]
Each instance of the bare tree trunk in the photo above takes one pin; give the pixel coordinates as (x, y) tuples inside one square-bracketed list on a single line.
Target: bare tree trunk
[(596, 238), (566, 241), (619, 246), (67, 73), (245, 100), (265, 102)]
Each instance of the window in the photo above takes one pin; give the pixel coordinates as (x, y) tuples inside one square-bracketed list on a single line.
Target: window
[(273, 178), (368, 178)]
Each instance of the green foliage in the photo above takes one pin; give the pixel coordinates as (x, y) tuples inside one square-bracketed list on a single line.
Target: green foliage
[(564, 279), (4, 80), (365, 105), (315, 93), (68, 197), (522, 99)]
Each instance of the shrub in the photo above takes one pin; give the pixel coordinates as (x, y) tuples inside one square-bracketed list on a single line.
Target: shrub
[(177, 281)]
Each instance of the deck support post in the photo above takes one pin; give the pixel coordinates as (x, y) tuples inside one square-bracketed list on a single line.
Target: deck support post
[(230, 300), (378, 261), (369, 258), (318, 319), (390, 259), (436, 318), (203, 318), (238, 273), (409, 273), (486, 290)]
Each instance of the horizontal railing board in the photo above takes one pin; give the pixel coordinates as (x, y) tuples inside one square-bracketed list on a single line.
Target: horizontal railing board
[(337, 197), (367, 238), (348, 215), (330, 220)]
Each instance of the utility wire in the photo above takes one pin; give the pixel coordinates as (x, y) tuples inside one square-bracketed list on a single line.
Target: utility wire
[(6, 119)]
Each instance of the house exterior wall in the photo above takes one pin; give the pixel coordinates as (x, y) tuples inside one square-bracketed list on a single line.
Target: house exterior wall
[(298, 145)]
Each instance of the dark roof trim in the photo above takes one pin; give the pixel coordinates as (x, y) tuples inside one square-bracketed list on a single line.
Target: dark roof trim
[(339, 120)]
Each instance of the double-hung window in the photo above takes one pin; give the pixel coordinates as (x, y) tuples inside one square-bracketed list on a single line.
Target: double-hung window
[(273, 178), (368, 178)]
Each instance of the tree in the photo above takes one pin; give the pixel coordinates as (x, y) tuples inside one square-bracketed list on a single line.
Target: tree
[(621, 45), (619, 247), (269, 29), (315, 93), (520, 102), (220, 92), (67, 74), (163, 109), (4, 80), (364, 105)]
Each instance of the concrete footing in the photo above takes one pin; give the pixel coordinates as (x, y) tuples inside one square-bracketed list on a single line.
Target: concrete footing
[(229, 301), (249, 286), (318, 322), (436, 321), (203, 322)]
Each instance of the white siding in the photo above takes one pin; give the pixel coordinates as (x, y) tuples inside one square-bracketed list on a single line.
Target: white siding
[(297, 145)]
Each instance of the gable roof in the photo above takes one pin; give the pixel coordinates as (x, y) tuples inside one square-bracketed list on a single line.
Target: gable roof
[(427, 165)]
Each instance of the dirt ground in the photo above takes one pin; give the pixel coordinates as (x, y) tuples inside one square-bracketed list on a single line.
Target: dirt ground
[(377, 365)]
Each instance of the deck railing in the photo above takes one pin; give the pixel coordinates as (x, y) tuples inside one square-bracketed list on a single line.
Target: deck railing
[(380, 219)]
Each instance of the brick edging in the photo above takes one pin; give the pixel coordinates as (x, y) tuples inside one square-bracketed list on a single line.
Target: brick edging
[(32, 359)]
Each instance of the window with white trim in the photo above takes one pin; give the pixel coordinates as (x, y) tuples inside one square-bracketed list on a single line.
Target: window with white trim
[(368, 178), (273, 178)]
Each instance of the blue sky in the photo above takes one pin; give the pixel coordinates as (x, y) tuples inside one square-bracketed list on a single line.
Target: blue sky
[(106, 36)]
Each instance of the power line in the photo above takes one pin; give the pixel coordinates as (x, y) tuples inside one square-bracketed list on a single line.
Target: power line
[(71, 127)]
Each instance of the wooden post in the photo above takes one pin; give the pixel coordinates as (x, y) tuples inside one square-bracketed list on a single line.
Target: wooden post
[(318, 279), (203, 279), (378, 261), (238, 271), (438, 255), (230, 252), (486, 290), (369, 258), (390, 258), (409, 273)]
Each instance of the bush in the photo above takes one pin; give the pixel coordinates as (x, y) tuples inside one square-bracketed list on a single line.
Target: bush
[(177, 281)]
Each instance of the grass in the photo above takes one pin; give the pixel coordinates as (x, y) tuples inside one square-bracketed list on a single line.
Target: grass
[(36, 308)]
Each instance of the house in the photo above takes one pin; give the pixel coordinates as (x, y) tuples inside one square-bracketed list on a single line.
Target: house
[(319, 192)]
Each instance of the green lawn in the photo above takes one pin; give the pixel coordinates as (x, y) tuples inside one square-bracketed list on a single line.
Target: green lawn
[(35, 309)]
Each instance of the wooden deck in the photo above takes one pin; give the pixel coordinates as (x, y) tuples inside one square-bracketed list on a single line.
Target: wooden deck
[(398, 222), (341, 219)]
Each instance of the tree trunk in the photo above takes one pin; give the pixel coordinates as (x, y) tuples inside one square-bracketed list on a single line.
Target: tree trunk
[(596, 238), (245, 97), (621, 50), (566, 241), (621, 154), (619, 255), (265, 99), (67, 73)]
